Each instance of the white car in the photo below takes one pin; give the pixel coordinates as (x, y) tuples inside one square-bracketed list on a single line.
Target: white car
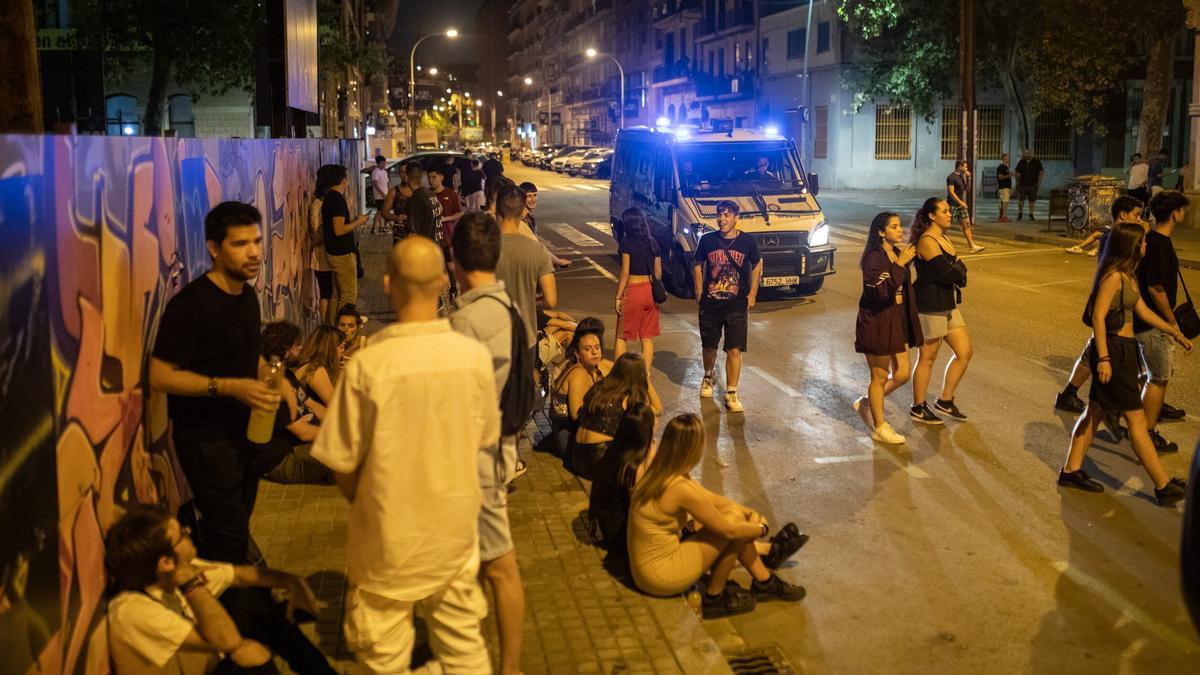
[(559, 163)]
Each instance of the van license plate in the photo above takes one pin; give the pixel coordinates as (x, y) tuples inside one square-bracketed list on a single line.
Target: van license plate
[(780, 281)]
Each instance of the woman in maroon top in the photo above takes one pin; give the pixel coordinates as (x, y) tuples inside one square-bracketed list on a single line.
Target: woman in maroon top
[(887, 323)]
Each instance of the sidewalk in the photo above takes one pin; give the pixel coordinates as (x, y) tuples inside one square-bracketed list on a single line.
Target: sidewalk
[(859, 206), (579, 618)]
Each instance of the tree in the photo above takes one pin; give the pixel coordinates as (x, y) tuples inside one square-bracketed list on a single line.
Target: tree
[(1161, 22), (20, 84), (207, 47)]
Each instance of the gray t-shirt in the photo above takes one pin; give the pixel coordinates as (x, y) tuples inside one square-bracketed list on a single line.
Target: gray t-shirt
[(486, 320), (522, 262)]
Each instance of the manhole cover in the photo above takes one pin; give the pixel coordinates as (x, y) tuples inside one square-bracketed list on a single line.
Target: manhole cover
[(761, 661)]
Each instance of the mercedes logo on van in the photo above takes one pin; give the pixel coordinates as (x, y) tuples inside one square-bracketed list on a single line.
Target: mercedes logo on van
[(771, 241)]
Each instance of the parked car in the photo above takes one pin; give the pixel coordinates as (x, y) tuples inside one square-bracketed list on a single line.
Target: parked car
[(576, 160), (559, 163), (431, 158), (597, 164)]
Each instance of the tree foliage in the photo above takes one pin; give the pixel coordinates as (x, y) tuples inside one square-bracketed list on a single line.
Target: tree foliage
[(336, 53)]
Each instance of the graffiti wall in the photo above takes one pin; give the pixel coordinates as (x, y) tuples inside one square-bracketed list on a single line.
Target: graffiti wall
[(96, 234)]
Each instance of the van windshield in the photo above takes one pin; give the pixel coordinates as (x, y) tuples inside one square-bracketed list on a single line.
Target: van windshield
[(730, 168)]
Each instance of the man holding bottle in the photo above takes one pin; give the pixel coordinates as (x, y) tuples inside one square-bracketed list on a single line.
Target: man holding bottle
[(206, 359)]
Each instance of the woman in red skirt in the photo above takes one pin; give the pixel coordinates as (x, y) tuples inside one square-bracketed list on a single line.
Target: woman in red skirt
[(887, 323), (637, 313)]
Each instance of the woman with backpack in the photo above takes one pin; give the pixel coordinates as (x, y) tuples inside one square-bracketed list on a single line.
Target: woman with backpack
[(1115, 360), (637, 313), (603, 407), (665, 500), (618, 470)]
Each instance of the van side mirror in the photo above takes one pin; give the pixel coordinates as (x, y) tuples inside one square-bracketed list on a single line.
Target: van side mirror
[(814, 184)]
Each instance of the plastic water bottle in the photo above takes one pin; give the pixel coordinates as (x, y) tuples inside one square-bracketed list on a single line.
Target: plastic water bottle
[(262, 422)]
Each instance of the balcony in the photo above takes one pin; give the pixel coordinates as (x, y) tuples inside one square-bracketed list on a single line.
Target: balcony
[(680, 69), (597, 92), (668, 8), (727, 88), (730, 21)]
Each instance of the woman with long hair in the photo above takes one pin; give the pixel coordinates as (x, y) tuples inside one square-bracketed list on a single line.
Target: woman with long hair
[(1115, 359), (604, 405), (637, 313), (619, 468), (585, 367), (320, 362), (319, 261), (887, 324), (941, 276), (663, 502)]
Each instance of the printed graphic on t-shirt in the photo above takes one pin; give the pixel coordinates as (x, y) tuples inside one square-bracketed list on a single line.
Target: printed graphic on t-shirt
[(724, 280)]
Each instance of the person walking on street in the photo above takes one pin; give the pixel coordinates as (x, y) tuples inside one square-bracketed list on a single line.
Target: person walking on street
[(472, 187), (481, 313), (887, 325), (726, 269), (1003, 187), (1158, 278), (959, 190), (206, 359), (1029, 179), (637, 313), (340, 249), (1114, 357), (411, 477), (941, 276), (379, 186)]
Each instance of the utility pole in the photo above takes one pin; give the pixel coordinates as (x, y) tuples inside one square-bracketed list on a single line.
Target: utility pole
[(20, 80), (966, 74)]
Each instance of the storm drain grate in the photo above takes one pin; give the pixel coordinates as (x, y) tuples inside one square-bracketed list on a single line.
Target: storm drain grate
[(768, 660)]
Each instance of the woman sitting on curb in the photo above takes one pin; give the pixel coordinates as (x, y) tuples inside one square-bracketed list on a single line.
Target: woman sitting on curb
[(603, 407), (585, 367), (664, 499), (619, 469)]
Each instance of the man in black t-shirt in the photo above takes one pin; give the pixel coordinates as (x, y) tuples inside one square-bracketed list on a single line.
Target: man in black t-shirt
[(1003, 187), (726, 269), (958, 193), (1158, 279), (492, 168), (1029, 179), (206, 359), (472, 187), (424, 209)]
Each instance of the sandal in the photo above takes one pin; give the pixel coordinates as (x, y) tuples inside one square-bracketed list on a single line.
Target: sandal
[(784, 545), (732, 601)]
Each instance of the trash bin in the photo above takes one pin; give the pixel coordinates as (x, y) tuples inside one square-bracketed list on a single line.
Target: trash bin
[(1090, 201)]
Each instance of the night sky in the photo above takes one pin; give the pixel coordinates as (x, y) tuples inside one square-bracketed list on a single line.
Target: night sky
[(417, 18)]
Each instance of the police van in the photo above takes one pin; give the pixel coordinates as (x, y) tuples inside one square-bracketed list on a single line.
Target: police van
[(678, 175)]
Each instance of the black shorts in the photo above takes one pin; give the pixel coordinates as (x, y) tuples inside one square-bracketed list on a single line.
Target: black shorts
[(378, 204), (733, 323), (324, 285), (1122, 392)]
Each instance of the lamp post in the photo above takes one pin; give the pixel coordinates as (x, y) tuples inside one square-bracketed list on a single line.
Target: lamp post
[(412, 84), (549, 111), (591, 54)]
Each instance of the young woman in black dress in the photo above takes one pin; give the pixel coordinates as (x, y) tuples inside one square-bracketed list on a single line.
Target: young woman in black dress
[(1115, 358), (887, 323)]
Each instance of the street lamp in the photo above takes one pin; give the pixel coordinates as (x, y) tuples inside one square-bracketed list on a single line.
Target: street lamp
[(591, 54), (549, 111), (412, 81), (433, 71)]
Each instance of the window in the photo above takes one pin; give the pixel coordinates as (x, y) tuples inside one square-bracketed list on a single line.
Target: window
[(737, 56), (765, 44), (711, 56), (989, 131), (951, 125), (121, 115), (821, 132), (749, 56), (822, 37), (795, 46), (1052, 135), (721, 62), (893, 132), (683, 43), (179, 112)]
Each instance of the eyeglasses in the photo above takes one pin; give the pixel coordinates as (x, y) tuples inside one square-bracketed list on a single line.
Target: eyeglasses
[(184, 532)]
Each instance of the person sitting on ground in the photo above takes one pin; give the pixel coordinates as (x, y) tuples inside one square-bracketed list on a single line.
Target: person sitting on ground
[(617, 472), (297, 421), (165, 616), (585, 366), (319, 364), (1124, 209), (663, 501), (602, 409), (350, 323)]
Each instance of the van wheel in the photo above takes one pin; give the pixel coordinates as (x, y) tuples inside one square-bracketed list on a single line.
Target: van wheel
[(680, 278), (810, 286)]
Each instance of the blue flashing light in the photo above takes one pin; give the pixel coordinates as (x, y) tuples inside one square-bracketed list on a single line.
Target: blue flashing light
[(772, 130), (662, 122), (682, 133)]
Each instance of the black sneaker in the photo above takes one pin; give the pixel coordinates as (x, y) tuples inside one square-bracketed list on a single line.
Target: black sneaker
[(1162, 445), (1170, 412), (1020, 216), (923, 415), (1112, 422), (776, 589), (1069, 401), (1079, 480), (949, 408), (784, 545), (1173, 491), (732, 601)]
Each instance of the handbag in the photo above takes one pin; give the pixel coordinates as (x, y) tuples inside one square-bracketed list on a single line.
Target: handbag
[(657, 289), (1114, 319), (1185, 314)]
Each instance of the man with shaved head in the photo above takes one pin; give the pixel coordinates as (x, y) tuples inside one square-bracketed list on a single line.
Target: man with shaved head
[(409, 471)]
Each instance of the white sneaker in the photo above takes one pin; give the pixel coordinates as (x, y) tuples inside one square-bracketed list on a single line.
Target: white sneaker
[(706, 387), (977, 248), (884, 433), (732, 402), (1075, 249), (1094, 252), (864, 410)]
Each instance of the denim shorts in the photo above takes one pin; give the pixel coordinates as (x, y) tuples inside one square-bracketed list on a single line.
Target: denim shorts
[(1158, 353)]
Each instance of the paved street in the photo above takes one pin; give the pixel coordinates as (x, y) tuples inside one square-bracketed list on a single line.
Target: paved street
[(956, 553)]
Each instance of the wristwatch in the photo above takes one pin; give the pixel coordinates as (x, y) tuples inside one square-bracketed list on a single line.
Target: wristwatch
[(212, 387), (198, 580)]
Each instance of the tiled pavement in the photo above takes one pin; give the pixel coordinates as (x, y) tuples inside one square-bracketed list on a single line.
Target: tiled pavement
[(579, 617)]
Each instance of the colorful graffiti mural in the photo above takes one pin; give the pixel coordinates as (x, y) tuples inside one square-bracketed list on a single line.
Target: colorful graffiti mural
[(98, 233)]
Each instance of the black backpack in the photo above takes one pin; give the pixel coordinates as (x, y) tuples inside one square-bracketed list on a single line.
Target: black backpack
[(520, 393)]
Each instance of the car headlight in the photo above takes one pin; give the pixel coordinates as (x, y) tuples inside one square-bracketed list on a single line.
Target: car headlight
[(820, 235)]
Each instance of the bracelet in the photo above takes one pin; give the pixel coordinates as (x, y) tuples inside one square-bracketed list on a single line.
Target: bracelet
[(1104, 359), (192, 584), (212, 387)]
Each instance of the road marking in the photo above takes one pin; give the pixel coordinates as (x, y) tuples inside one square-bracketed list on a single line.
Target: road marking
[(1056, 283), (1118, 602), (906, 467), (686, 325), (587, 187), (869, 457), (1130, 487), (1007, 254), (596, 266), (604, 227), (1043, 364), (779, 384), (574, 236)]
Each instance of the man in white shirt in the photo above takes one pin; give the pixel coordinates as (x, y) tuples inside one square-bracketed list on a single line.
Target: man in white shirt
[(408, 419), (167, 619), (380, 184)]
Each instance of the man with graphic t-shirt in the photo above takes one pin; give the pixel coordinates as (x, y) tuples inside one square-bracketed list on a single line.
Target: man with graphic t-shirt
[(726, 269), (424, 209)]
